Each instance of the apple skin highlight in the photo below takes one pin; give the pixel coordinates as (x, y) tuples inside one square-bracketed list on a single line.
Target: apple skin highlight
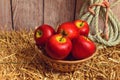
[(42, 34), (69, 29), (57, 48), (83, 47), (82, 26)]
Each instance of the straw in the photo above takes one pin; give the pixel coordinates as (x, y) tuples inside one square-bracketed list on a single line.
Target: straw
[(19, 61)]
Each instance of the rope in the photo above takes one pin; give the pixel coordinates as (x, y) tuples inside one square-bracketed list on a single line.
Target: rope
[(105, 4), (111, 35)]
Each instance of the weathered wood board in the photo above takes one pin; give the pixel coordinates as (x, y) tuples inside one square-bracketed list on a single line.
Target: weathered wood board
[(5, 15), (27, 13), (58, 11), (31, 13), (78, 5)]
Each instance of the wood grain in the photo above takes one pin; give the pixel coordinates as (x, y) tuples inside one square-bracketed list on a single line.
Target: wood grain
[(79, 4), (58, 11), (31, 13), (27, 13), (5, 15)]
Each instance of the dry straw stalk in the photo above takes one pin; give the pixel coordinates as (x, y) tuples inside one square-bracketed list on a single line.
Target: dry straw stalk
[(19, 60)]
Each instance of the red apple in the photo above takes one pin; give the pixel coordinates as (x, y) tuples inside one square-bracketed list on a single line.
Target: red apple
[(58, 47), (83, 47), (82, 26), (68, 29), (42, 34)]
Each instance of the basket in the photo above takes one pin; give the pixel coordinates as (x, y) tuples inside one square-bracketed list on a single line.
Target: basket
[(63, 65)]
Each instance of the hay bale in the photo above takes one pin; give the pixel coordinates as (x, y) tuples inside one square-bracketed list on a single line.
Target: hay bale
[(19, 61)]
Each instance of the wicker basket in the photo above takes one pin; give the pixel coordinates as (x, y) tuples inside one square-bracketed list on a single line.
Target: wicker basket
[(63, 65)]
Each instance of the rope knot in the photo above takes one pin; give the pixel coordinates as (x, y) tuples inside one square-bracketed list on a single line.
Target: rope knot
[(105, 4)]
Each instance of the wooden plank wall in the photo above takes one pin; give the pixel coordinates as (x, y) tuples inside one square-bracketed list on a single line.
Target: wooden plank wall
[(5, 14), (16, 14), (27, 13), (58, 11)]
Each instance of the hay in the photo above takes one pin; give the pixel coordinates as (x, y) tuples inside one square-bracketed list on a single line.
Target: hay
[(19, 61)]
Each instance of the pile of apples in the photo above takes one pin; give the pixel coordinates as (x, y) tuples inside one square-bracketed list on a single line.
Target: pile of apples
[(69, 41)]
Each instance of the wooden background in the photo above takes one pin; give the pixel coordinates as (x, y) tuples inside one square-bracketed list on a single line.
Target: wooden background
[(16, 14)]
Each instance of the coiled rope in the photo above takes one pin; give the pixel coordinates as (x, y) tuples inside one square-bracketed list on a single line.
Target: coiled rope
[(112, 25)]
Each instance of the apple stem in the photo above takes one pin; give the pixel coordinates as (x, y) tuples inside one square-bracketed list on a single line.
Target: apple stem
[(64, 33), (61, 38), (82, 23), (40, 33)]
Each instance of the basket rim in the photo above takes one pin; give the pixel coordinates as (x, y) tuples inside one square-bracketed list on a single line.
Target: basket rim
[(67, 61)]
